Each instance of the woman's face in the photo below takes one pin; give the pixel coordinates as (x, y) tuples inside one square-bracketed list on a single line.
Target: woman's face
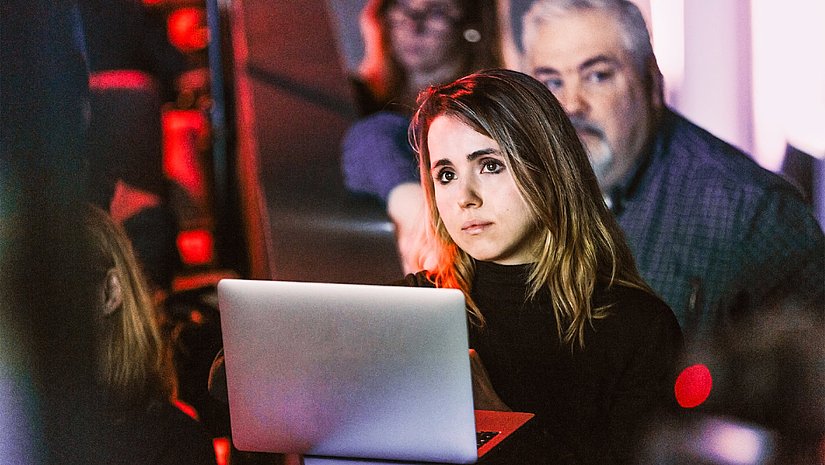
[(423, 33), (476, 196)]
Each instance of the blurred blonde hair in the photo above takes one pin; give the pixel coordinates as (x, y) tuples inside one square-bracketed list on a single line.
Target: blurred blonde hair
[(581, 245), (135, 366)]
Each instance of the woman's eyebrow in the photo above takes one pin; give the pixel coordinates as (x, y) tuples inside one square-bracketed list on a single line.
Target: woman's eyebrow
[(470, 157), (482, 152), (442, 162)]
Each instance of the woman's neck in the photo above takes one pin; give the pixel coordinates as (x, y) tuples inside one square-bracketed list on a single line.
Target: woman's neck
[(508, 275), (496, 282)]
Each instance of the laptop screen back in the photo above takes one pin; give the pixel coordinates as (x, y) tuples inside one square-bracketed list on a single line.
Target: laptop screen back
[(348, 370)]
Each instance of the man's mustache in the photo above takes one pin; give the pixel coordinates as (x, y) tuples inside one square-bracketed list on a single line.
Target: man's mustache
[(585, 126)]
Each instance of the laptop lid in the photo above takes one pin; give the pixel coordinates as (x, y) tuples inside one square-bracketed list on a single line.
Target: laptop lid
[(348, 370)]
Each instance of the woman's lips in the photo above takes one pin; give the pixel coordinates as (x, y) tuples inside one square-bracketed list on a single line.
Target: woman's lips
[(475, 226)]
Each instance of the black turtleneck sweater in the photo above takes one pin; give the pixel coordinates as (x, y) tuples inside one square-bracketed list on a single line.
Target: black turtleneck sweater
[(590, 403)]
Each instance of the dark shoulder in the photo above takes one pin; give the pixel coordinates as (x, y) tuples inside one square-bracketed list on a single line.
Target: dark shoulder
[(636, 309), (158, 434), (717, 162), (637, 324), (186, 440)]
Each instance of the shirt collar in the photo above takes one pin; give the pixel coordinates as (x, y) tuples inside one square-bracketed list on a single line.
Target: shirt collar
[(616, 197)]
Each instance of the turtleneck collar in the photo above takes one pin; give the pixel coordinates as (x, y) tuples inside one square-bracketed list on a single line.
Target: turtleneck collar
[(492, 277)]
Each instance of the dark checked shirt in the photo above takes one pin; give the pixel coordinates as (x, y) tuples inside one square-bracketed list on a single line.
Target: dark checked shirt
[(715, 234)]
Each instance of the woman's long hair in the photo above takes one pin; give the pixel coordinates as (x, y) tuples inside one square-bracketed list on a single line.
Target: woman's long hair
[(135, 367), (384, 75), (580, 243)]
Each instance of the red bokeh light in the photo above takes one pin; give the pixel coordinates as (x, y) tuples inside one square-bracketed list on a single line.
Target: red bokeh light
[(195, 316), (187, 409), (195, 246), (120, 79), (187, 29), (184, 131), (222, 450), (693, 386)]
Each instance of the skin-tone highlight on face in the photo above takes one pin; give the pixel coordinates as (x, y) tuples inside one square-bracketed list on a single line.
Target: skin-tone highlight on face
[(476, 196), (581, 58)]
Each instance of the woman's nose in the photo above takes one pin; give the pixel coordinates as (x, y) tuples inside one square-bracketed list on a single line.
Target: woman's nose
[(469, 197)]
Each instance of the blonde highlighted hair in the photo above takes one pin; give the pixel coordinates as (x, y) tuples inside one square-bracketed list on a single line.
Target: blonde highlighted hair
[(581, 245)]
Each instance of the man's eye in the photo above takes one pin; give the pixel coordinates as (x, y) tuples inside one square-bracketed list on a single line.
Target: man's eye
[(445, 176), (600, 76), (553, 84), (492, 166)]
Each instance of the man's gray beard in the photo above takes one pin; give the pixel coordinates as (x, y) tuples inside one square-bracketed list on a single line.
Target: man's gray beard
[(601, 159), (601, 156)]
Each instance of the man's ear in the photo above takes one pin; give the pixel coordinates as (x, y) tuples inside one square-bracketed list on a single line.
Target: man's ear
[(112, 292), (656, 85)]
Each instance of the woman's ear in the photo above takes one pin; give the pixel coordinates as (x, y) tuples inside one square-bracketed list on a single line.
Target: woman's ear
[(112, 292)]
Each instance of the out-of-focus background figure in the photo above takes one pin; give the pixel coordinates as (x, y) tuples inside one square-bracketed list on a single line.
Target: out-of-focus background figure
[(751, 395), (410, 44), (136, 370)]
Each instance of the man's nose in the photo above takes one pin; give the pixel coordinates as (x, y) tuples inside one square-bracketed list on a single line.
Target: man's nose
[(573, 100)]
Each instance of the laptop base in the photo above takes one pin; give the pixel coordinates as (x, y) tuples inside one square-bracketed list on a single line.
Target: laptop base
[(511, 425)]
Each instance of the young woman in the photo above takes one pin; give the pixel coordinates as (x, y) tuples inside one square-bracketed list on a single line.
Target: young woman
[(412, 44), (141, 423), (558, 314)]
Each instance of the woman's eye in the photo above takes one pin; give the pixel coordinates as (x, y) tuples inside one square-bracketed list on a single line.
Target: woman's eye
[(492, 166), (445, 176), (437, 14)]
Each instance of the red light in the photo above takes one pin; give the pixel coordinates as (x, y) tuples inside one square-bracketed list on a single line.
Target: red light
[(222, 449), (184, 132), (187, 409), (187, 29), (120, 79), (693, 386), (195, 246), (196, 317)]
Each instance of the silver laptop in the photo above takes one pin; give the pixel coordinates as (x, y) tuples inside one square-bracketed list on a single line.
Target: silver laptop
[(346, 370)]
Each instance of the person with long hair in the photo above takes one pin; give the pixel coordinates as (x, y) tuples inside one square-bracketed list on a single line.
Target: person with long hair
[(135, 368), (558, 314), (409, 45)]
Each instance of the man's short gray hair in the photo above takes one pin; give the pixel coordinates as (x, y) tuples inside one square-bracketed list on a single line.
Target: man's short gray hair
[(631, 22)]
